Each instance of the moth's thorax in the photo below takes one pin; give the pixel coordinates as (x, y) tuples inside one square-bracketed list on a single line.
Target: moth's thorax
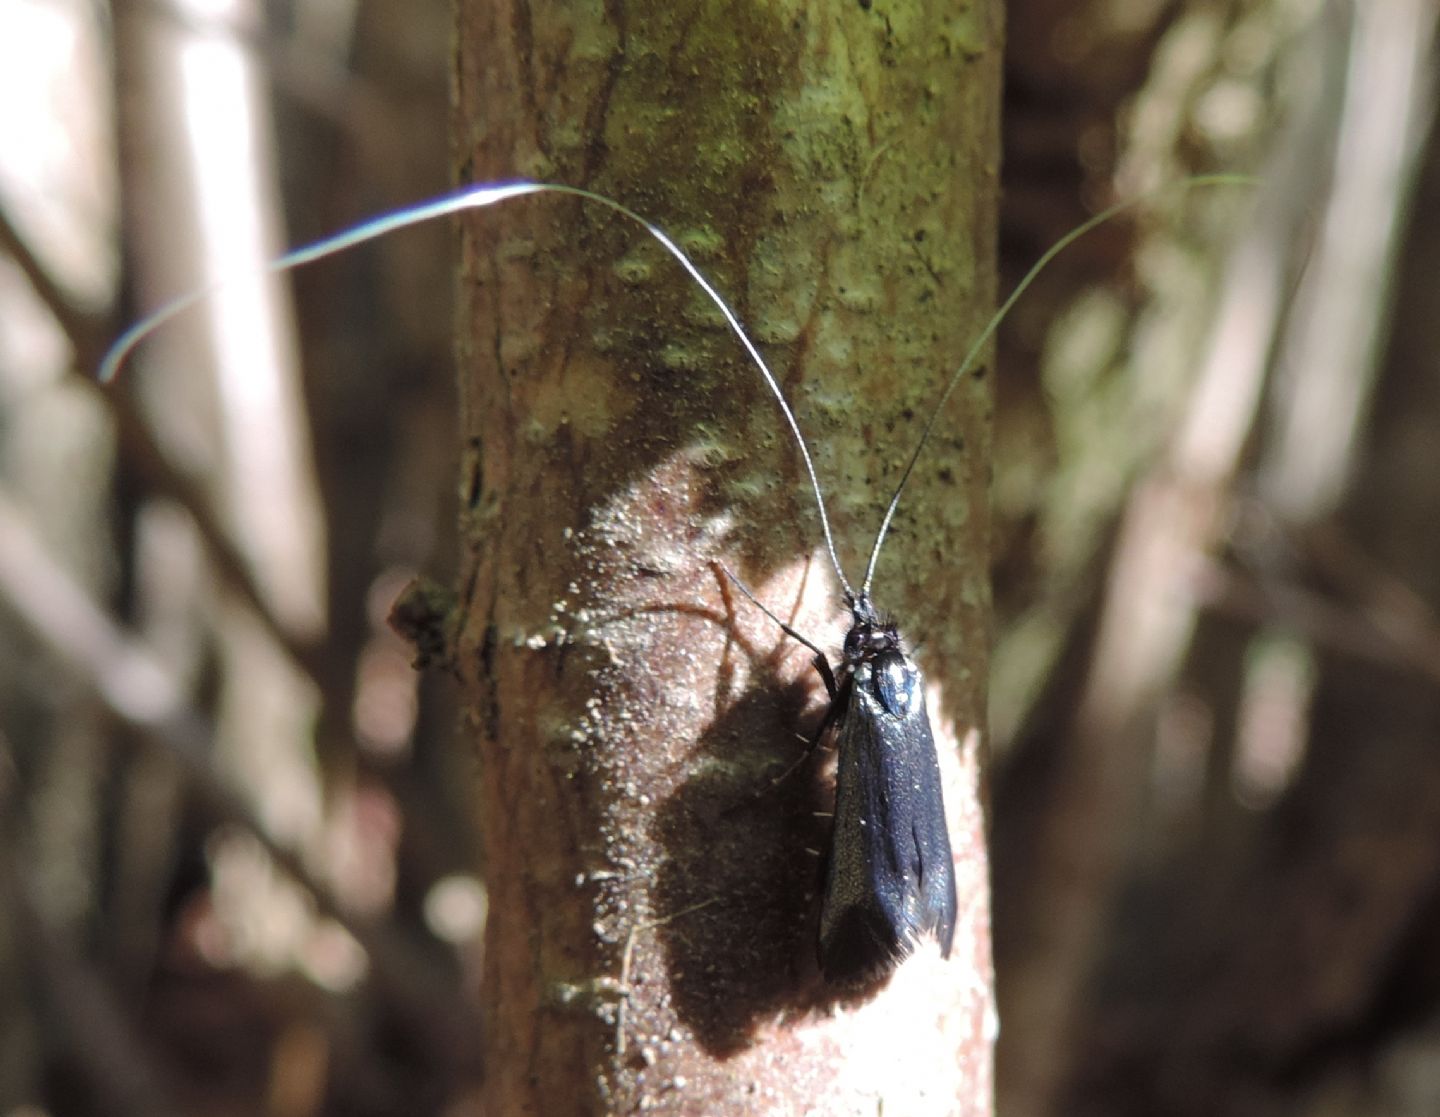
[(878, 664)]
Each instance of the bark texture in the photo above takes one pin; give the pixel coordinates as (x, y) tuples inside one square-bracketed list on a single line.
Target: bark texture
[(651, 936)]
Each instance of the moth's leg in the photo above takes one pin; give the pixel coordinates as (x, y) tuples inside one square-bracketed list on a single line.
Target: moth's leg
[(832, 715), (821, 663)]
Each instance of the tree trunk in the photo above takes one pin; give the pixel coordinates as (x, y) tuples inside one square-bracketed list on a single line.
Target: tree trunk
[(652, 890)]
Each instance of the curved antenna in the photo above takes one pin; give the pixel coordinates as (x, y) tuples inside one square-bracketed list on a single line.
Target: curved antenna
[(999, 316), (478, 197)]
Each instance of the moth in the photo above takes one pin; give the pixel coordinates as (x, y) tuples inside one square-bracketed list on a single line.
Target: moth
[(889, 878)]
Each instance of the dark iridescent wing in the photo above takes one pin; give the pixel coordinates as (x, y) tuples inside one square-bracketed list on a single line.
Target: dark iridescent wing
[(891, 878)]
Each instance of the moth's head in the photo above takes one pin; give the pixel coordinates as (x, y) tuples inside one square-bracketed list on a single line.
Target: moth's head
[(870, 633)]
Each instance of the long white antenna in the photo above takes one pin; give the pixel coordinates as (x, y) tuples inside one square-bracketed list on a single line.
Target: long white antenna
[(478, 197), (999, 316)]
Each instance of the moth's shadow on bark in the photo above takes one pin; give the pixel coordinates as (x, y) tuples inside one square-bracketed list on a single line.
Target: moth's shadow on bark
[(737, 893)]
